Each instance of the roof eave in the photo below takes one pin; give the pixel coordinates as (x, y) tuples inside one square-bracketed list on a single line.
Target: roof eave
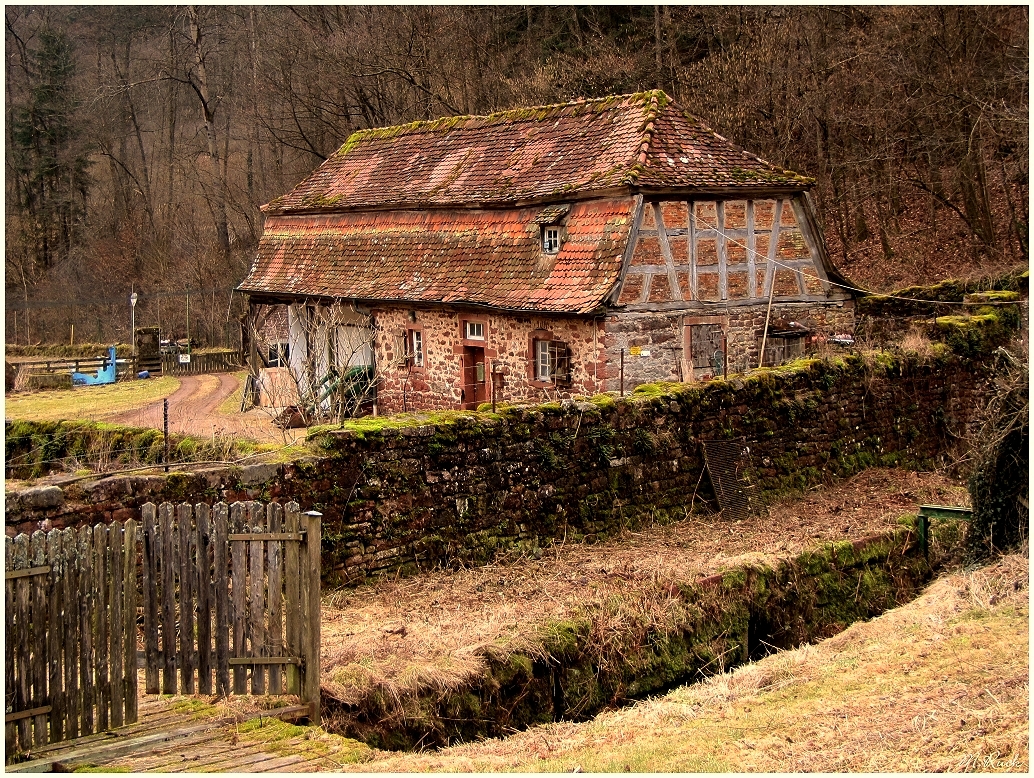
[(273, 297)]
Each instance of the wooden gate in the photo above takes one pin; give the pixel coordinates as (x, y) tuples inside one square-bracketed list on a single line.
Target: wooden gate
[(231, 600), (70, 616)]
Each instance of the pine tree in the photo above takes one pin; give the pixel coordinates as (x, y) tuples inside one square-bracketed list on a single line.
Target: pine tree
[(49, 162)]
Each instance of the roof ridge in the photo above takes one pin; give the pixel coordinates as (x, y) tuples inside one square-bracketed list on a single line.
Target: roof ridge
[(518, 113), (652, 112)]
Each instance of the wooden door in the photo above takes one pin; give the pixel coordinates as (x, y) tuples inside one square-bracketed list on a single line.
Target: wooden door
[(474, 378)]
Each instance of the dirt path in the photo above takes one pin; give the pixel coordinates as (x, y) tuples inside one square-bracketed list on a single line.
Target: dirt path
[(194, 410)]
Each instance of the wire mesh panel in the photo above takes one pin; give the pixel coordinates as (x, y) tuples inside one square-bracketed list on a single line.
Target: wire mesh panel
[(727, 462)]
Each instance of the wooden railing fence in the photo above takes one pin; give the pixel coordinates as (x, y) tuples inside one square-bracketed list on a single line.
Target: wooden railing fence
[(208, 362), (231, 600), (70, 616)]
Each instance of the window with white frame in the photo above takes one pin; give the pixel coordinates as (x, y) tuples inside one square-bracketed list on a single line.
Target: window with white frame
[(552, 361), (474, 330), (551, 239), (278, 354), (416, 348), (542, 371)]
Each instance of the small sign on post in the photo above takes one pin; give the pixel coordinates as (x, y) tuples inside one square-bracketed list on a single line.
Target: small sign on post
[(184, 359)]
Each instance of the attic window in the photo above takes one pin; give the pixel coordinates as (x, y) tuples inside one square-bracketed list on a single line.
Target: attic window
[(551, 239)]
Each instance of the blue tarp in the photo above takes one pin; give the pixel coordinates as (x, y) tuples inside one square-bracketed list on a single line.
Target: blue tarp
[(106, 374)]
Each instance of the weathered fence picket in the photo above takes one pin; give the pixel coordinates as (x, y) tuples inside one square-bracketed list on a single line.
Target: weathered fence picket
[(69, 599)]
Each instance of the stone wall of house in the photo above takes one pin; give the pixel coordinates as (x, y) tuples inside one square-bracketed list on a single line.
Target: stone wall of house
[(508, 349), (654, 344), (407, 495)]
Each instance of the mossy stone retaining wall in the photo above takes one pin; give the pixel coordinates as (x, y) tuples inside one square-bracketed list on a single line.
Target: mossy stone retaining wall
[(403, 499), (400, 494)]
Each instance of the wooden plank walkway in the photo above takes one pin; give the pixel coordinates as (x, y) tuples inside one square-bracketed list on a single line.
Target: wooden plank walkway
[(186, 734)]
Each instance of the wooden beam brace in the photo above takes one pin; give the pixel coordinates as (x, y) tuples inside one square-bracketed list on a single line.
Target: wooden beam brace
[(27, 572)]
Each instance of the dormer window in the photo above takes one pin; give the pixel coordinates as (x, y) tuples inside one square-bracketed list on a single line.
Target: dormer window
[(551, 239), (551, 222)]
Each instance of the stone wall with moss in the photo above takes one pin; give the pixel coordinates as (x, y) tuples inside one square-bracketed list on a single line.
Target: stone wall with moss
[(882, 316), (409, 492)]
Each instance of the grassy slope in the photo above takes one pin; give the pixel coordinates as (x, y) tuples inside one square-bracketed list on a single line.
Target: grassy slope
[(89, 402), (939, 684)]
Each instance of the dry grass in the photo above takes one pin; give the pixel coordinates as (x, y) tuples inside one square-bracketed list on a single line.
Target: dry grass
[(916, 343), (89, 402), (940, 684), (431, 632)]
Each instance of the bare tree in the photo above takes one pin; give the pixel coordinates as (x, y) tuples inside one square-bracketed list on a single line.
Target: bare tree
[(319, 367)]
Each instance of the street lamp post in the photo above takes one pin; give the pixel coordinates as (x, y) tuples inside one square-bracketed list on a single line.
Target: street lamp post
[(132, 321)]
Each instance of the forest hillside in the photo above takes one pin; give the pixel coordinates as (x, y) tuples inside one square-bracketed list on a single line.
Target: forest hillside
[(141, 140)]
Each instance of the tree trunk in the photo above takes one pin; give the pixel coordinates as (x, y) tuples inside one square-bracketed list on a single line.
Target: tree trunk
[(200, 85)]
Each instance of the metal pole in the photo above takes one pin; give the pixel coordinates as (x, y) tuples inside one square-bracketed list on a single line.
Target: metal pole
[(132, 323), (188, 319), (622, 372), (165, 412)]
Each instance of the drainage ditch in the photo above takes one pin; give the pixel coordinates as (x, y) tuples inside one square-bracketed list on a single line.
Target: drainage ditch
[(718, 623)]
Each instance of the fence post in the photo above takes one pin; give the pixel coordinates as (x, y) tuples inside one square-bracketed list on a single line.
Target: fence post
[(129, 553), (311, 628), (293, 616)]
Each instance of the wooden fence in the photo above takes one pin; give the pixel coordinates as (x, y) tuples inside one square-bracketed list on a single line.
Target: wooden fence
[(232, 592), (70, 616), (209, 362), (230, 599)]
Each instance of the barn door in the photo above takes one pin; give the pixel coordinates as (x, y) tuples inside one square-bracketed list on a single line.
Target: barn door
[(706, 348)]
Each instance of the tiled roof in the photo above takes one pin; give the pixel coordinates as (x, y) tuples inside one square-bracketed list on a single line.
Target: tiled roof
[(642, 140), (482, 257)]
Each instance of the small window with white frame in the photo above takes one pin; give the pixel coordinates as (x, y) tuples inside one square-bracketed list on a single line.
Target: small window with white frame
[(474, 330), (278, 355), (551, 239), (416, 348), (542, 371)]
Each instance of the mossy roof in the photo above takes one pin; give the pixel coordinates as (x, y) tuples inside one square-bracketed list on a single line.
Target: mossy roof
[(639, 141)]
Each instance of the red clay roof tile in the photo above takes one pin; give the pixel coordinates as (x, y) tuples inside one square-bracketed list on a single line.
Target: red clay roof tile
[(323, 239), (480, 257)]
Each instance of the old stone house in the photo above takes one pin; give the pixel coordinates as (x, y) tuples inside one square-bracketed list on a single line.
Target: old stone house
[(559, 250)]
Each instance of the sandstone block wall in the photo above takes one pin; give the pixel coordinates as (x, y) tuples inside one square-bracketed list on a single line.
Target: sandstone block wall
[(507, 347), (661, 340)]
